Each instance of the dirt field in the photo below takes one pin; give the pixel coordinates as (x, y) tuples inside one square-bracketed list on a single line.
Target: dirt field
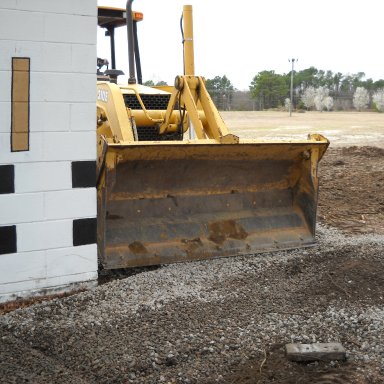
[(227, 320), (341, 128)]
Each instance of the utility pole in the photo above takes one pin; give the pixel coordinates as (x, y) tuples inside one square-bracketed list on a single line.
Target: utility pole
[(291, 101)]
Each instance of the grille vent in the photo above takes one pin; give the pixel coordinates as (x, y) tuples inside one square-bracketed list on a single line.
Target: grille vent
[(150, 101), (151, 134)]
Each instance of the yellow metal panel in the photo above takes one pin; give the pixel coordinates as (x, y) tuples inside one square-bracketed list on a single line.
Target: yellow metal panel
[(110, 101)]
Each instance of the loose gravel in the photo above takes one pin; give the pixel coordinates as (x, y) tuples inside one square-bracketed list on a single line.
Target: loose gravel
[(208, 321)]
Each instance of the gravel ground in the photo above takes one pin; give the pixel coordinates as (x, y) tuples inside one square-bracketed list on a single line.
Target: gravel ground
[(217, 321)]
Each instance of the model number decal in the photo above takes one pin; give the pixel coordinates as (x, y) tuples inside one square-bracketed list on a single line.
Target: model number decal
[(102, 95)]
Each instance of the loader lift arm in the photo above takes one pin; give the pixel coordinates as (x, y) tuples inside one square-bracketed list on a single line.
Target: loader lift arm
[(191, 90)]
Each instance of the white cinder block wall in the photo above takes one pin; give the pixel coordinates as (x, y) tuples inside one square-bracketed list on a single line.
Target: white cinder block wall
[(47, 193)]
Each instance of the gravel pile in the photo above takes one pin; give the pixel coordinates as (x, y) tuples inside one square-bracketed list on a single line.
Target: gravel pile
[(203, 322)]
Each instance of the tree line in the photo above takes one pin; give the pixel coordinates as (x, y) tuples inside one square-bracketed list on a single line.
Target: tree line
[(312, 89)]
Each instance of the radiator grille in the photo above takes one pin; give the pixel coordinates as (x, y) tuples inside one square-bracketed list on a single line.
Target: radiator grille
[(151, 134), (150, 101)]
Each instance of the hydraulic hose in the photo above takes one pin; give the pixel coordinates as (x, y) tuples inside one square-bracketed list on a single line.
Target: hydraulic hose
[(137, 54)]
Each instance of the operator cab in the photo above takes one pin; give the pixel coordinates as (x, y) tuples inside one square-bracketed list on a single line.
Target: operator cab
[(111, 18)]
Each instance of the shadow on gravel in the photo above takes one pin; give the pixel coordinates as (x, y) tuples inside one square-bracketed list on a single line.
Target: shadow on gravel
[(105, 275)]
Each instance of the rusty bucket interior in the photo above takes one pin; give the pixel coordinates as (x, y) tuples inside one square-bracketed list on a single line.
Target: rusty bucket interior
[(172, 202)]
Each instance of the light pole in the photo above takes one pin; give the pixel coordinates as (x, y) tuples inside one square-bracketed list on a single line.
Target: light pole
[(291, 101)]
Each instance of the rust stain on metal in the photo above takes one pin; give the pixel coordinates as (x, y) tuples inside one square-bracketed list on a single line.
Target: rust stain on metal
[(114, 217), (137, 247), (192, 245), (221, 230)]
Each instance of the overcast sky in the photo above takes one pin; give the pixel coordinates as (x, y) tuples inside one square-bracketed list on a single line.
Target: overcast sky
[(243, 37)]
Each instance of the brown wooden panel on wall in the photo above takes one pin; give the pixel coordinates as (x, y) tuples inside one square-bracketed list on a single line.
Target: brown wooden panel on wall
[(20, 104)]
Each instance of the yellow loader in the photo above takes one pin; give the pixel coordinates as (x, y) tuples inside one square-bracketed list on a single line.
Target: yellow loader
[(175, 185)]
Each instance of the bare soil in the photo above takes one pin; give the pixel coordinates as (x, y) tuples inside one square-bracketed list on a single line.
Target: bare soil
[(351, 195), (343, 129)]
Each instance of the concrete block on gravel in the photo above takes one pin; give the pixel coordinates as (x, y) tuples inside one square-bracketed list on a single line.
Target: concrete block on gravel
[(316, 351)]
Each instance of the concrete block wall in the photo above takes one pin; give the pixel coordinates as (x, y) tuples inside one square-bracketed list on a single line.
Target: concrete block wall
[(48, 218)]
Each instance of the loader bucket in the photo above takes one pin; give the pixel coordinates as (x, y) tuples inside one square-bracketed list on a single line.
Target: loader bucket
[(168, 202)]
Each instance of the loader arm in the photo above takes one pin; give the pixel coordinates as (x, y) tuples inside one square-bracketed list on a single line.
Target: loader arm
[(190, 92)]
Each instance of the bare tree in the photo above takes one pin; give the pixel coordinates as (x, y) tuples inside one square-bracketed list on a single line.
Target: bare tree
[(287, 104), (328, 103), (360, 98), (308, 97), (378, 99), (321, 95)]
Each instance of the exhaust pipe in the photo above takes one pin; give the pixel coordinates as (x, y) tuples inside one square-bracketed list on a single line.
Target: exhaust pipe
[(131, 43)]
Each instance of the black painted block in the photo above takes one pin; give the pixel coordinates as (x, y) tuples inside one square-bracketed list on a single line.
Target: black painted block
[(83, 174), (84, 231), (7, 179), (8, 239)]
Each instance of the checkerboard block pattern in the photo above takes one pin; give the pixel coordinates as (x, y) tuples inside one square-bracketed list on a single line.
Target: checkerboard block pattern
[(48, 145)]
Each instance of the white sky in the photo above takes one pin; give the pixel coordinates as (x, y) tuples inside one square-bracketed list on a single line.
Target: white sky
[(243, 37)]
